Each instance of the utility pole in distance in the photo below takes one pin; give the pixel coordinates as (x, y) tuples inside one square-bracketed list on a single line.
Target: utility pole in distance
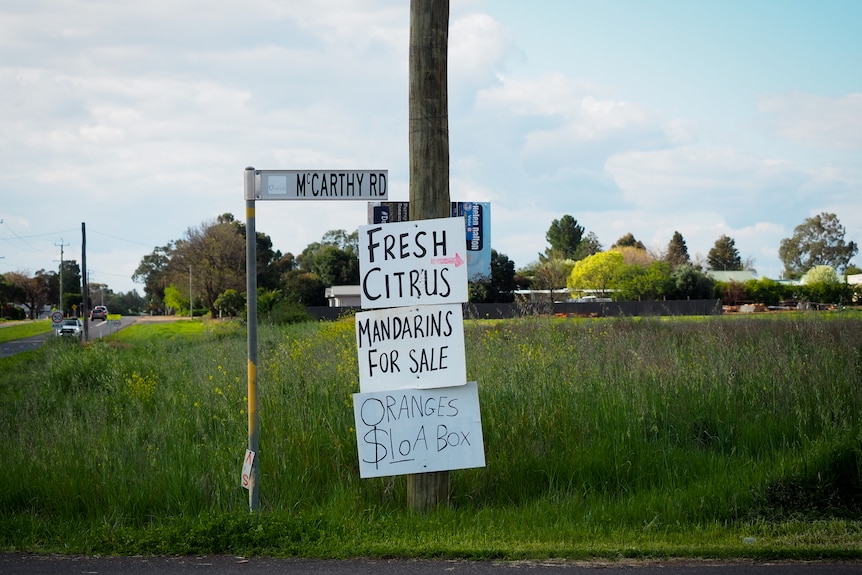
[(61, 245), (429, 166)]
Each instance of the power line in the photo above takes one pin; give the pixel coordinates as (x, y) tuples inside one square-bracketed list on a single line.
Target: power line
[(122, 239)]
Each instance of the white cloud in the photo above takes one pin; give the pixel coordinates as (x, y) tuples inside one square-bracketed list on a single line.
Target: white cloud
[(710, 176), (478, 49), (834, 123)]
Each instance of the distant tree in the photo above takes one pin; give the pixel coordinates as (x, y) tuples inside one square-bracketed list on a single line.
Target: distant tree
[(215, 252), (32, 291), (230, 302), (51, 281), (342, 240), (596, 273), (174, 300), (628, 241), (334, 259), (70, 273), (821, 275), (677, 251), (691, 283), (633, 255), (819, 240), (852, 270), (588, 246), (268, 260), (499, 286), (551, 275), (724, 256), (126, 303), (650, 282), (564, 237), (153, 273), (10, 292), (303, 287), (334, 266), (823, 284)]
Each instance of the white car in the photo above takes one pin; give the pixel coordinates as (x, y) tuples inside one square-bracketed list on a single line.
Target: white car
[(71, 327)]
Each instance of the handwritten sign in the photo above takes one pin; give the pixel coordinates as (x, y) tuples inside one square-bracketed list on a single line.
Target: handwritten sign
[(418, 431), (410, 263), (411, 347)]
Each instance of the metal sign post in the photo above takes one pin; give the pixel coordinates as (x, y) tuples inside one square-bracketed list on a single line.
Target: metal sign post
[(287, 185), (251, 309)]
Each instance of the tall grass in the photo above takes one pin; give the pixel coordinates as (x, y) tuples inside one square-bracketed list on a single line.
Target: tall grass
[(591, 427)]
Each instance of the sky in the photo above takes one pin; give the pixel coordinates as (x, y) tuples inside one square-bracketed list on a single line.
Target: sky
[(136, 120)]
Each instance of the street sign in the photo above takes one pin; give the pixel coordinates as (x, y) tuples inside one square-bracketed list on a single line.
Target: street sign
[(410, 263), (56, 318), (418, 431), (319, 185), (411, 347)]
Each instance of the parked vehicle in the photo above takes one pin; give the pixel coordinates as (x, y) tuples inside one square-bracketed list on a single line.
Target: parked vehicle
[(99, 312), (71, 327)]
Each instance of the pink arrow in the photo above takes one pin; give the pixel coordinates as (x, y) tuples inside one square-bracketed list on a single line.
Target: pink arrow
[(456, 260)]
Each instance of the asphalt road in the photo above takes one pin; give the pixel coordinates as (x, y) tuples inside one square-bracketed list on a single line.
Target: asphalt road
[(21, 564), (97, 329)]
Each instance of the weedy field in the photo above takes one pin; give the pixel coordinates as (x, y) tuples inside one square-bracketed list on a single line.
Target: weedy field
[(695, 437)]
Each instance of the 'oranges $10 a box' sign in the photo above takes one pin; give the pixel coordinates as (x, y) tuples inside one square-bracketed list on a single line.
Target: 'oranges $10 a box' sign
[(418, 431)]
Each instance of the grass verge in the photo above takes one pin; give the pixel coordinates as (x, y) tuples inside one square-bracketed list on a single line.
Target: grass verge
[(715, 437)]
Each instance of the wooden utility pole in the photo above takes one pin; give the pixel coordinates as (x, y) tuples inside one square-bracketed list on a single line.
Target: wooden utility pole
[(429, 165)]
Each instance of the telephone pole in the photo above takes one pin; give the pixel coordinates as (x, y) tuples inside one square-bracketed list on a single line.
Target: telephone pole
[(429, 166), (61, 246)]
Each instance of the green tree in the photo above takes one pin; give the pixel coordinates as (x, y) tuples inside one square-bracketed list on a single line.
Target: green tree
[(230, 302), (214, 254), (588, 246), (334, 266), (822, 274), (153, 272), (564, 237), (499, 286), (653, 282), (334, 259), (71, 272), (628, 241), (766, 291), (303, 287), (691, 283), (724, 256), (32, 291), (677, 251), (596, 273), (819, 240), (551, 275), (174, 299)]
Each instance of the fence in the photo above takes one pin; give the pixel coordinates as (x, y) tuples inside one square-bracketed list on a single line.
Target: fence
[(579, 309)]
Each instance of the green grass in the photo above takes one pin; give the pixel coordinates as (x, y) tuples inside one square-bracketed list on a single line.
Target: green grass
[(20, 330), (710, 437)]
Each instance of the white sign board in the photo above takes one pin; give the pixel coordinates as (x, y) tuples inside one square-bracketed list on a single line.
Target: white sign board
[(411, 347), (418, 431), (412, 263), (319, 185), (247, 464)]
